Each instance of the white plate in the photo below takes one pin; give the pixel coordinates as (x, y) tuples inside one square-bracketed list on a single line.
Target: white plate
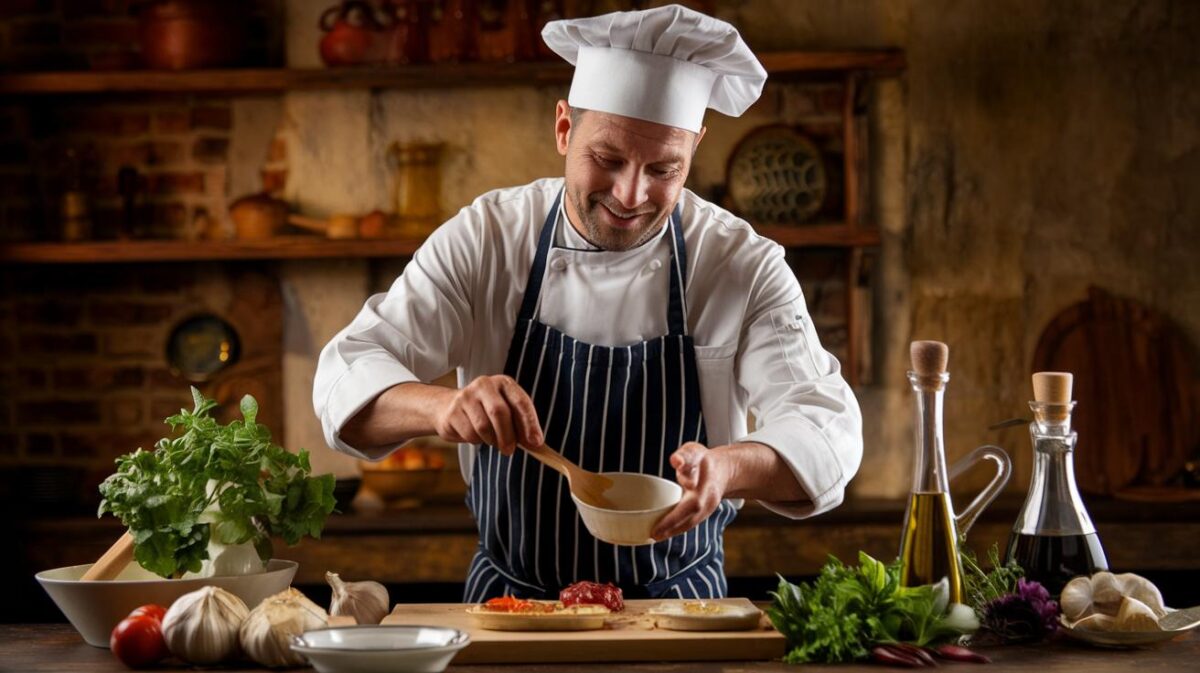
[(1120, 638), (573, 618), (380, 649), (704, 616)]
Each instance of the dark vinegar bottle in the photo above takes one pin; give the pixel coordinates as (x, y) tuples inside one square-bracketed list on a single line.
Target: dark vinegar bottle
[(1054, 538)]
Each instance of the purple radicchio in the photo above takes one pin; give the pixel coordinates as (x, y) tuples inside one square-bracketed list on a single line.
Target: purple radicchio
[(1025, 616)]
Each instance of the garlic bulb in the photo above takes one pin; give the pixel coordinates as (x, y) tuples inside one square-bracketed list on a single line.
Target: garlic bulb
[(366, 602), (1108, 602), (202, 626), (267, 632)]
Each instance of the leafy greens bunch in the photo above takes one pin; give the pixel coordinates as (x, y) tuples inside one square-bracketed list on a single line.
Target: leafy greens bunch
[(226, 483), (847, 610)]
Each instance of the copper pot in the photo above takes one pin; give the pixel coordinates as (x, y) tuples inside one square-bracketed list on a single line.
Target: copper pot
[(187, 34), (258, 216)]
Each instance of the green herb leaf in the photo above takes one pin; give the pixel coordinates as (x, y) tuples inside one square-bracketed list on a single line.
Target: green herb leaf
[(229, 483), (980, 587)]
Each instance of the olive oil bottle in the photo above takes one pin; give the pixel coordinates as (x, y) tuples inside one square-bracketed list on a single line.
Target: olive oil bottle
[(929, 544), (930, 552)]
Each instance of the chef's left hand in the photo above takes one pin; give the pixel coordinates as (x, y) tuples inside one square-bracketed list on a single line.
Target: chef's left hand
[(704, 475)]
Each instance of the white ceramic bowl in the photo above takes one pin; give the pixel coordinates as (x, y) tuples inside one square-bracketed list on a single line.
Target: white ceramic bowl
[(94, 608), (380, 649), (641, 501)]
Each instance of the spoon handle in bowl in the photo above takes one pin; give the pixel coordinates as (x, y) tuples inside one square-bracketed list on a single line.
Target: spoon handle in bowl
[(551, 458), (113, 561)]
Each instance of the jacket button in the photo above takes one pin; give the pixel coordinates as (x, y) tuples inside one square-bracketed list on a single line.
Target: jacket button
[(558, 264), (655, 265)]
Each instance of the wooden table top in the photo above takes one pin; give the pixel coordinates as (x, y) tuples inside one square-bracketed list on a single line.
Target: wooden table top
[(32, 648)]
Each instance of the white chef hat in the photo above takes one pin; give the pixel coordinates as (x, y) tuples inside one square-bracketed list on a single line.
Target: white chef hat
[(663, 65)]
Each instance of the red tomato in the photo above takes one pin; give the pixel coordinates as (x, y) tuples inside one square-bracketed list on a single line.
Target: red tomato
[(155, 611), (138, 641)]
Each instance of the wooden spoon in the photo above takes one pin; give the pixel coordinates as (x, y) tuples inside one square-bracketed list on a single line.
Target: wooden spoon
[(587, 486), (113, 561)]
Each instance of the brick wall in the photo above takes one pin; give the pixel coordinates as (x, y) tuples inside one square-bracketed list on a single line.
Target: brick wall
[(178, 147), (87, 377)]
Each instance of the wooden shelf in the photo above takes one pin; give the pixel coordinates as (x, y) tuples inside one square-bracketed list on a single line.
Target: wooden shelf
[(820, 235), (280, 247), (315, 247), (398, 77)]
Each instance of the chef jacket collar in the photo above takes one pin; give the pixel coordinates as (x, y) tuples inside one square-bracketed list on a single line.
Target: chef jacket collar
[(568, 237)]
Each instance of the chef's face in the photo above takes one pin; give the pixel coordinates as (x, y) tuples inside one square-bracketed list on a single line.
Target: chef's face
[(623, 175)]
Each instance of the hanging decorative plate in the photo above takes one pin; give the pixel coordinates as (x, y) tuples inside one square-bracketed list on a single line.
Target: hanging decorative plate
[(776, 175), (201, 346)]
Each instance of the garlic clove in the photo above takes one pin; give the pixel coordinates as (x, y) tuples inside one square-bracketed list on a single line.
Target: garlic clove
[(367, 602), (1136, 586), (267, 633), (1106, 593), (1076, 599), (1135, 615)]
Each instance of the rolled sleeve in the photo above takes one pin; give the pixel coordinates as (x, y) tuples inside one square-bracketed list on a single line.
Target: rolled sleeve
[(803, 408), (417, 331), (362, 382)]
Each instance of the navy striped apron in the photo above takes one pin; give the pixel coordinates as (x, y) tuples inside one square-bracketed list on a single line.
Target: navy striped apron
[(614, 409)]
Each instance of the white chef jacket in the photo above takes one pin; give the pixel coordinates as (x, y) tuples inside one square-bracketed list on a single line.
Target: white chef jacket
[(455, 307)]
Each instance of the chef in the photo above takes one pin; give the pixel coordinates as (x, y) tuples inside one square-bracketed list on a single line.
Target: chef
[(613, 316)]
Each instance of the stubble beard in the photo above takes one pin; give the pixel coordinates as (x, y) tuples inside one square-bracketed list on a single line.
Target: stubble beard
[(607, 237)]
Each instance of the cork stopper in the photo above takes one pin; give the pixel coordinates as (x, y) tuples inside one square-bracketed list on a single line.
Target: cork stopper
[(1052, 390), (1052, 387), (929, 360)]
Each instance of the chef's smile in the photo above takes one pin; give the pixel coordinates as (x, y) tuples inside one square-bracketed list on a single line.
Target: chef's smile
[(621, 219)]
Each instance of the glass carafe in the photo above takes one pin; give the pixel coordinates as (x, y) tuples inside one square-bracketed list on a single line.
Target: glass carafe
[(1053, 538), (417, 187), (929, 545)]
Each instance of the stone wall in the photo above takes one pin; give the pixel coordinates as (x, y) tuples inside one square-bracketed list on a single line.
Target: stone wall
[(1051, 146)]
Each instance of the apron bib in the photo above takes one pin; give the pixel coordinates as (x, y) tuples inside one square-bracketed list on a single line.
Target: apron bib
[(608, 409)]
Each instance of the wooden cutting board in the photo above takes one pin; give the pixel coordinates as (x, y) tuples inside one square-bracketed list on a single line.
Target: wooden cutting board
[(1136, 387), (629, 635)]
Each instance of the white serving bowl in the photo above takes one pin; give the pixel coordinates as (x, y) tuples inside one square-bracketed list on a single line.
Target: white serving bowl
[(95, 607), (641, 500), (380, 649)]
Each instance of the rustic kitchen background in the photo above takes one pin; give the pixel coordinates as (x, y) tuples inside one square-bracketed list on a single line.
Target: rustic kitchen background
[(1016, 179)]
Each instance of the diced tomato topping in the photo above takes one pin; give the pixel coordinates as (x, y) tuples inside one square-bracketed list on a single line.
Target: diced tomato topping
[(591, 593)]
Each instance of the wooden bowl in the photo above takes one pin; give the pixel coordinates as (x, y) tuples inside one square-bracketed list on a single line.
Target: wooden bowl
[(399, 487)]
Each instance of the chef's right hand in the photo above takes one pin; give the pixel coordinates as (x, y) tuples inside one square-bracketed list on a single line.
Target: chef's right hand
[(491, 410)]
